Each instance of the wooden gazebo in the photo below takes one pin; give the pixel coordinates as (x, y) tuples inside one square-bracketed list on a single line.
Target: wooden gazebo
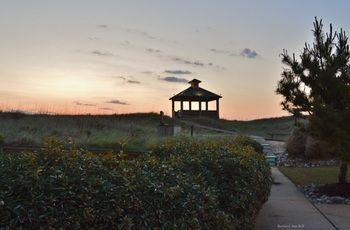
[(194, 93)]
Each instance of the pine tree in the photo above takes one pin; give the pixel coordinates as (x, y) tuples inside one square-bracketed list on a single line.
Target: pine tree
[(317, 84)]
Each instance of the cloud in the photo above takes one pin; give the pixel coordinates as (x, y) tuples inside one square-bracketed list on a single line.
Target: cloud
[(246, 52), (102, 53), (104, 26), (134, 82), (129, 80), (105, 108), (126, 44), (184, 61), (142, 33), (93, 38), (118, 102), (84, 104), (174, 79), (178, 72), (148, 72), (221, 51), (150, 50)]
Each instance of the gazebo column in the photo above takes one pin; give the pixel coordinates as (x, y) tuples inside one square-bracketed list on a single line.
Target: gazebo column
[(217, 106), (206, 106), (173, 108), (190, 105), (181, 105)]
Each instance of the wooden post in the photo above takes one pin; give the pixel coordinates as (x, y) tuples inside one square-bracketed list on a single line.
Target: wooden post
[(192, 130), (173, 108), (182, 105), (206, 106), (217, 107), (200, 108), (190, 105)]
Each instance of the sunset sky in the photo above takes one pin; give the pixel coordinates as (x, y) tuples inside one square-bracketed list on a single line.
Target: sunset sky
[(87, 56)]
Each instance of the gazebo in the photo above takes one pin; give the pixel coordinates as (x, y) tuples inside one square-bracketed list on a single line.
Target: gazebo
[(194, 93)]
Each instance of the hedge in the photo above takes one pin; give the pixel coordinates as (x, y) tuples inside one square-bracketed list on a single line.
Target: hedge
[(182, 184)]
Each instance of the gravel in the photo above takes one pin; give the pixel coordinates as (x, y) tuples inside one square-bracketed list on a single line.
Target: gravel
[(312, 193), (283, 160)]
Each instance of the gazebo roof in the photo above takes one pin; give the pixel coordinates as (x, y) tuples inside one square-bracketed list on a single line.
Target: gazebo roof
[(195, 93)]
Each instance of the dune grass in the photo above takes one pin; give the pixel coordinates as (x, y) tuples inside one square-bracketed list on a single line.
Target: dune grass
[(280, 127), (317, 175), (136, 132)]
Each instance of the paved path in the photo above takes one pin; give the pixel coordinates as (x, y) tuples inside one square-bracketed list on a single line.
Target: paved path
[(339, 214), (287, 208)]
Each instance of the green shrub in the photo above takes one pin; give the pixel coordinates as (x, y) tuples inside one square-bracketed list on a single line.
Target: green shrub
[(295, 145), (299, 144), (183, 184), (244, 140)]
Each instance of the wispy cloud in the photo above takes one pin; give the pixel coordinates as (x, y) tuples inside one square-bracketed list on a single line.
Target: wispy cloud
[(126, 43), (141, 33), (221, 51), (102, 53), (84, 104), (105, 108), (103, 26), (118, 102), (188, 62), (129, 80), (174, 79), (148, 72), (134, 82), (150, 50), (246, 52), (93, 38), (178, 72)]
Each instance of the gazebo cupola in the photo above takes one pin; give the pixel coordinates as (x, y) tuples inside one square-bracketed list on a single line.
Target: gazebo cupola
[(195, 94)]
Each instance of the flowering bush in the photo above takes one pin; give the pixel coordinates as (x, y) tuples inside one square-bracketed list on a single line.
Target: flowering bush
[(181, 184)]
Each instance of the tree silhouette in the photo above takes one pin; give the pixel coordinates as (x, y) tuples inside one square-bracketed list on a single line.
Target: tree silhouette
[(317, 84)]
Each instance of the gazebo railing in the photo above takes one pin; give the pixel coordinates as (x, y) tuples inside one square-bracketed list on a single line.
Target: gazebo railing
[(197, 113)]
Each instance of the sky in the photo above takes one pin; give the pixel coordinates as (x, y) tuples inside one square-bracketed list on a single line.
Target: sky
[(85, 56)]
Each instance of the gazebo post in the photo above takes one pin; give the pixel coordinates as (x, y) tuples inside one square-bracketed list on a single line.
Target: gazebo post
[(206, 106), (217, 106), (200, 107), (190, 105), (173, 108), (181, 105)]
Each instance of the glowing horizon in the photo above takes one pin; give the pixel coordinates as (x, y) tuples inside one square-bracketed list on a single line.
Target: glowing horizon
[(124, 57)]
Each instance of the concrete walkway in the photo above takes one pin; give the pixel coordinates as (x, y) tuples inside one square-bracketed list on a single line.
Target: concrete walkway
[(338, 214), (287, 208)]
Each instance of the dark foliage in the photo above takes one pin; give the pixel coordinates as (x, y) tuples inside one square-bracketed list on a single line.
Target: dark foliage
[(318, 84), (246, 141), (183, 184)]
